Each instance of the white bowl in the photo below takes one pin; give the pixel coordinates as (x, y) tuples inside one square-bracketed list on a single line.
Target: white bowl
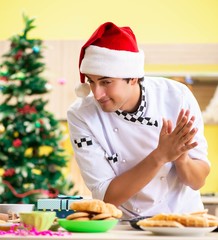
[(16, 208)]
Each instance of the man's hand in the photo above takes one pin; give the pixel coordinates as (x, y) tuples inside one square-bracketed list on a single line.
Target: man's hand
[(175, 143), (174, 146)]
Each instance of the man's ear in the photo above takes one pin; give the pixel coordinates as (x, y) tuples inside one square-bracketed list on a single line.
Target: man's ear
[(134, 81)]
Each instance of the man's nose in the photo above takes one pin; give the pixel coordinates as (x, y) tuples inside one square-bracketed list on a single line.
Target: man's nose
[(98, 92)]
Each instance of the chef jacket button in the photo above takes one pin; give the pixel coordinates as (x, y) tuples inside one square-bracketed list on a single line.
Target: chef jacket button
[(137, 210), (123, 161), (115, 129), (162, 178)]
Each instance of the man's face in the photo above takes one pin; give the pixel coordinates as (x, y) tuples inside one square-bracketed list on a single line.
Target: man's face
[(114, 93)]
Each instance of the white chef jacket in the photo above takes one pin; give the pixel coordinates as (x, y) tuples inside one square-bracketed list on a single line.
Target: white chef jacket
[(106, 145)]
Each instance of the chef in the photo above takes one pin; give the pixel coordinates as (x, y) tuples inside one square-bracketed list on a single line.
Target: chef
[(139, 141)]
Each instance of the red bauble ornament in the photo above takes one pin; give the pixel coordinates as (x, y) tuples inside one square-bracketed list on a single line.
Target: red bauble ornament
[(3, 78), (27, 109), (17, 142), (9, 172), (18, 55)]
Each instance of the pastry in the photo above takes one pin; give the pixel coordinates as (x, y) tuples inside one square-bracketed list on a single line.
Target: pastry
[(159, 223), (76, 215), (114, 211), (92, 206), (96, 206), (101, 216), (200, 219)]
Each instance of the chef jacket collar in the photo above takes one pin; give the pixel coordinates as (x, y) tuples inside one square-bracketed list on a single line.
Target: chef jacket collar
[(137, 116)]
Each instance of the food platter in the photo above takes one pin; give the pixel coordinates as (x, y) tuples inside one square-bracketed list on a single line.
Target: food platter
[(174, 231)]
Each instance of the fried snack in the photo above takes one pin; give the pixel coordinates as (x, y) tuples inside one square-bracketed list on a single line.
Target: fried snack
[(101, 216), (110, 218), (188, 220), (77, 215), (159, 223), (81, 219), (212, 220), (200, 213), (184, 219), (92, 206), (114, 211), (96, 206), (194, 221), (4, 217)]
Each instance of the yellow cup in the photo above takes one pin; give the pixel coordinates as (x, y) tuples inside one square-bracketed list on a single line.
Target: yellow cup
[(39, 220)]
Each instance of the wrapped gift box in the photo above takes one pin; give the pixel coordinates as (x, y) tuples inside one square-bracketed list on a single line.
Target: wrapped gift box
[(60, 205)]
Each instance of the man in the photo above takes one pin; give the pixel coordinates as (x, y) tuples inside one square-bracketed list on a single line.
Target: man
[(138, 140)]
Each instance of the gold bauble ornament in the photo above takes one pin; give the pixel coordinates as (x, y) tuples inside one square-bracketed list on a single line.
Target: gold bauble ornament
[(16, 134), (2, 128), (28, 152)]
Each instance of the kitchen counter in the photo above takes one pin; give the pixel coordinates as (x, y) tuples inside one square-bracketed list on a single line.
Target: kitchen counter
[(123, 232), (211, 203), (210, 199)]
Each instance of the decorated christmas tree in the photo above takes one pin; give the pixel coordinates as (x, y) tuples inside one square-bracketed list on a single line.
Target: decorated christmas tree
[(31, 156)]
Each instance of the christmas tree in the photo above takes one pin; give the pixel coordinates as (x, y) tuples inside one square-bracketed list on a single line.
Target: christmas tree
[(31, 157)]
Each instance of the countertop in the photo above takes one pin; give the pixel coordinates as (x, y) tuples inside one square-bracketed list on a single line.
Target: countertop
[(210, 199), (123, 232)]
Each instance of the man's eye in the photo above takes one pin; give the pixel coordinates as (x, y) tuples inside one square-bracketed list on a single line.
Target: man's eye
[(89, 81), (106, 82)]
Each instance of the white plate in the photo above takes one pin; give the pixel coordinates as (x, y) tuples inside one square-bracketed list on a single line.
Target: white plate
[(173, 231)]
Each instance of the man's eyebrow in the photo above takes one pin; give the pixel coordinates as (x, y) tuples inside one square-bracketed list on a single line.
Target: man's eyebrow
[(101, 78)]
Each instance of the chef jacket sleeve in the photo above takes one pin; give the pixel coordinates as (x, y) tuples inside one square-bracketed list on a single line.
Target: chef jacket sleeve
[(90, 156)]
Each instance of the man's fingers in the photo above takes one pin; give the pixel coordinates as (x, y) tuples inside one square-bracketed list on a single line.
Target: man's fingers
[(188, 146), (164, 127), (180, 116), (179, 127)]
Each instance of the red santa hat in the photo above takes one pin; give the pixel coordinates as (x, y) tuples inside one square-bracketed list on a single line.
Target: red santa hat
[(111, 51)]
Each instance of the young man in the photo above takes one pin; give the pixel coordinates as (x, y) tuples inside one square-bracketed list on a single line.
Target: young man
[(138, 141)]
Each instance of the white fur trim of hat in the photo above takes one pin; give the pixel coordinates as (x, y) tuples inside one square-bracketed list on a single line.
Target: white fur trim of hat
[(112, 63)]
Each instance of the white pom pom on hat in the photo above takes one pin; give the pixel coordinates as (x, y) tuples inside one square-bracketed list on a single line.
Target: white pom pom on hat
[(82, 90), (111, 51)]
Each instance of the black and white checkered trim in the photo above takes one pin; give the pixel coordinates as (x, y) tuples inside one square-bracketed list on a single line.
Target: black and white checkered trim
[(138, 116), (113, 158), (83, 142)]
